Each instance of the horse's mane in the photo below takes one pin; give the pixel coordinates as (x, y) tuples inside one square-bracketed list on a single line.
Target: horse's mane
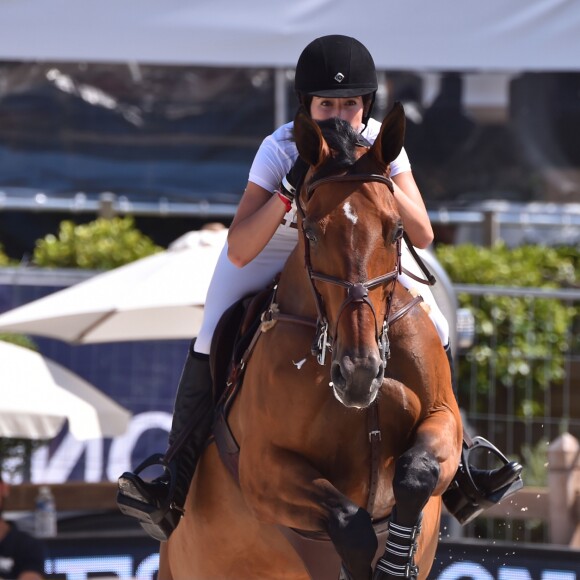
[(342, 140)]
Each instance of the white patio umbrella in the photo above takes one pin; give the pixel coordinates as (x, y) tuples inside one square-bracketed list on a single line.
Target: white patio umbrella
[(158, 297), (38, 395)]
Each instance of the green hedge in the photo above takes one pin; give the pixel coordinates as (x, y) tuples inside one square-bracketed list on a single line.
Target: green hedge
[(523, 339), (4, 259), (102, 244)]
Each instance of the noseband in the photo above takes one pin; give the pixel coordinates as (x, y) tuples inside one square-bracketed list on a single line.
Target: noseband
[(357, 292)]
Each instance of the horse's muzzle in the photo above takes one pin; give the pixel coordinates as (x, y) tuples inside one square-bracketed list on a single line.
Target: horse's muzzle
[(356, 380)]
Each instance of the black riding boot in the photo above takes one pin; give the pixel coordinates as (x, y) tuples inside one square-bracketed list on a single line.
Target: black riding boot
[(158, 504), (474, 490)]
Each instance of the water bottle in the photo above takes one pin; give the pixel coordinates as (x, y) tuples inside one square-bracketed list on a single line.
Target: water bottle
[(45, 514)]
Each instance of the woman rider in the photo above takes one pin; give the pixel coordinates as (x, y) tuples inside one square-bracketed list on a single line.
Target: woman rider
[(335, 77)]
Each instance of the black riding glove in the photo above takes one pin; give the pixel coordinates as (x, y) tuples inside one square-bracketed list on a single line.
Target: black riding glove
[(293, 180)]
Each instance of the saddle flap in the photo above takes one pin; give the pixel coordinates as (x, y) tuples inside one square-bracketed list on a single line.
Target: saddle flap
[(233, 334)]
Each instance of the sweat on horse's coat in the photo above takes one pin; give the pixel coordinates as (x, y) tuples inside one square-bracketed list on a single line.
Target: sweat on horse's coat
[(328, 462)]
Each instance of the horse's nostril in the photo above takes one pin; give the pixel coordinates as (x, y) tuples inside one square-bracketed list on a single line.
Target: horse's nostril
[(336, 375)]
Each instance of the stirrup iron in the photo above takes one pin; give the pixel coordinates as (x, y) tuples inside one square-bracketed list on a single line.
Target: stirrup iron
[(463, 498), (159, 516)]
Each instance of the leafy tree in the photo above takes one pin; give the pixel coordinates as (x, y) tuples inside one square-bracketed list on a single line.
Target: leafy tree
[(102, 244), (4, 259)]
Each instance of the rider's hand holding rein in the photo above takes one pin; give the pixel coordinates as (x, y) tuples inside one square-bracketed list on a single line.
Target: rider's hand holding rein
[(259, 215), (257, 218)]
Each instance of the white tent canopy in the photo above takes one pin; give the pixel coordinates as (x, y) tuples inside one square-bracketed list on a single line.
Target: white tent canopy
[(503, 35), (38, 395), (155, 298)]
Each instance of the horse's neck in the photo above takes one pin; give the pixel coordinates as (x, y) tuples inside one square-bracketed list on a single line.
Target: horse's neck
[(415, 333), (294, 291)]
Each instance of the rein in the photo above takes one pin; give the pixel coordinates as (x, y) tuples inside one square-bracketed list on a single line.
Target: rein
[(357, 292)]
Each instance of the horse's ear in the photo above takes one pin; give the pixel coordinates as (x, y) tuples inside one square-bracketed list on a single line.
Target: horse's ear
[(391, 138), (311, 145)]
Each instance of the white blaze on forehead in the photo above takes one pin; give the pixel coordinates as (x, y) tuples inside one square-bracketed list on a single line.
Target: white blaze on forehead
[(350, 215)]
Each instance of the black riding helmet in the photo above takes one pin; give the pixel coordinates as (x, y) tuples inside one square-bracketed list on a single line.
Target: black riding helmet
[(336, 66)]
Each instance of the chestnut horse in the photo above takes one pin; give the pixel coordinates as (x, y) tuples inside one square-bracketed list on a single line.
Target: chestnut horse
[(338, 450)]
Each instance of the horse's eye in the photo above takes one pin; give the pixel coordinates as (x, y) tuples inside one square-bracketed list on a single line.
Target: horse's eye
[(311, 236), (398, 233)]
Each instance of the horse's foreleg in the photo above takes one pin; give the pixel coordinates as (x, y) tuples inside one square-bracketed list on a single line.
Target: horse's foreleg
[(288, 491), (424, 469), (415, 479), (351, 531), (164, 570)]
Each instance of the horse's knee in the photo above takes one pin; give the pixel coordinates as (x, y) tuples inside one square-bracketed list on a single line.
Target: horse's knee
[(351, 531), (416, 475)]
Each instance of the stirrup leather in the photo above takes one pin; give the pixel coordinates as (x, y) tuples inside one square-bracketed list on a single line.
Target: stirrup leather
[(463, 498)]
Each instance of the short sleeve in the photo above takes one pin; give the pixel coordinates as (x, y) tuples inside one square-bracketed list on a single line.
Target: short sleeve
[(401, 163), (274, 158)]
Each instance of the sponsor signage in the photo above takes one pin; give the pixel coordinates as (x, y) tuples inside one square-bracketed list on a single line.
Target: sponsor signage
[(137, 557)]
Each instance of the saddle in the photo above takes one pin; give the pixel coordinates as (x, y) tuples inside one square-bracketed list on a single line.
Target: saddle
[(232, 338)]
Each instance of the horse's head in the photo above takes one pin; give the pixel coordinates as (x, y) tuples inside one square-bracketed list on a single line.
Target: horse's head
[(351, 239)]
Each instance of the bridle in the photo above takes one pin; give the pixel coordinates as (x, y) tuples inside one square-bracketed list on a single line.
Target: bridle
[(357, 292)]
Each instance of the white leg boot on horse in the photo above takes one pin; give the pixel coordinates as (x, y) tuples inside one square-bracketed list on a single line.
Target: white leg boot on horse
[(158, 505), (417, 473), (473, 490), (399, 557)]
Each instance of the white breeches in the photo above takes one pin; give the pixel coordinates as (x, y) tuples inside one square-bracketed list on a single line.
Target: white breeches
[(230, 283), (435, 314)]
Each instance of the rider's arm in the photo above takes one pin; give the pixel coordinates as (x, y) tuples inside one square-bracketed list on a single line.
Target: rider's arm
[(257, 217), (412, 209)]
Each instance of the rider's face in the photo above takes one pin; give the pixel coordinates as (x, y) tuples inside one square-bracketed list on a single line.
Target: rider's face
[(349, 109)]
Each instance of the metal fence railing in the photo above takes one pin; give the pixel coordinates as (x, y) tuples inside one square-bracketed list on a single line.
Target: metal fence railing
[(525, 412)]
